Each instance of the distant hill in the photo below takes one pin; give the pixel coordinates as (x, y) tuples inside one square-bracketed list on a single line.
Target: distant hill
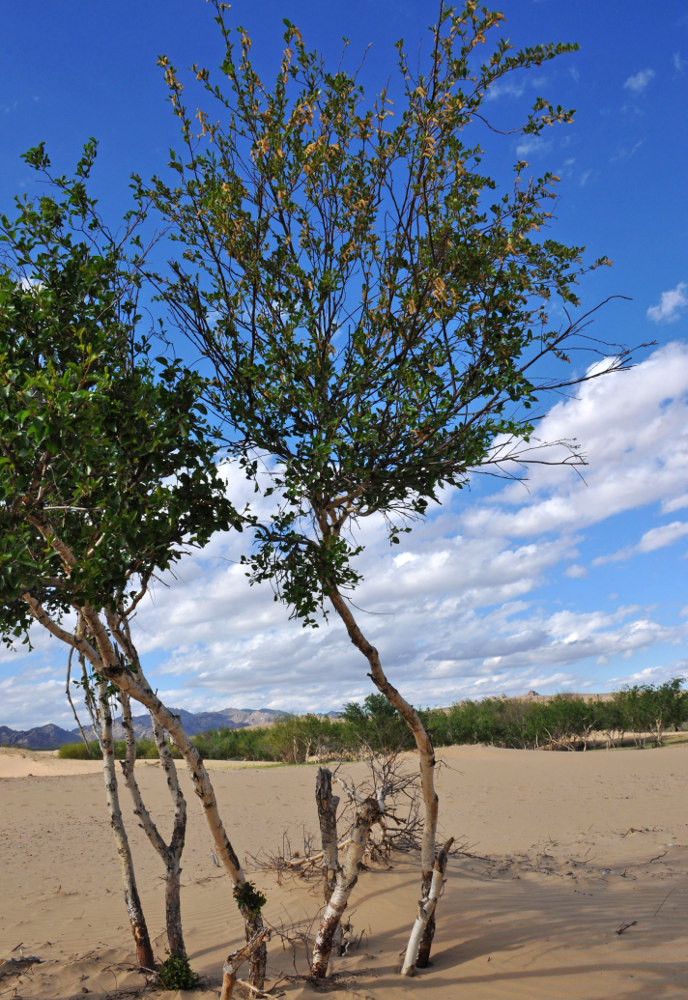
[(52, 737), (40, 738)]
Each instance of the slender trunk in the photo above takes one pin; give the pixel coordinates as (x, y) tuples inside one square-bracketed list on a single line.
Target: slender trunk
[(132, 681), (426, 752), (327, 815), (170, 853), (71, 702), (173, 871), (347, 877), (418, 949), (98, 648), (144, 951)]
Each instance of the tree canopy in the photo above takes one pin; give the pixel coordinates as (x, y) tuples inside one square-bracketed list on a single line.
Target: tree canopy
[(380, 316), (107, 469)]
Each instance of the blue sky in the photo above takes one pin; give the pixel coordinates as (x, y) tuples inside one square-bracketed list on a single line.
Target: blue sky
[(566, 585)]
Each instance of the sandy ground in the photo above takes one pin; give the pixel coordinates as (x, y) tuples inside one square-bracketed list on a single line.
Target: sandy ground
[(561, 851)]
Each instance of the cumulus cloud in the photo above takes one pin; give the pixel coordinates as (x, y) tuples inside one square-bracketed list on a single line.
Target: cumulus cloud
[(475, 601), (655, 538), (637, 453), (671, 305), (639, 81)]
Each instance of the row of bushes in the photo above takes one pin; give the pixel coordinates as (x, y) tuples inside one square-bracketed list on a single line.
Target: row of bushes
[(562, 722), (565, 721), (145, 750)]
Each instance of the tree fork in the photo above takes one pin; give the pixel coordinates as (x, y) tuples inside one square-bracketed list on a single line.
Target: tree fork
[(169, 853)]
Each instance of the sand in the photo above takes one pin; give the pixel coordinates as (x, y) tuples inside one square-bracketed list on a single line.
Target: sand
[(572, 883)]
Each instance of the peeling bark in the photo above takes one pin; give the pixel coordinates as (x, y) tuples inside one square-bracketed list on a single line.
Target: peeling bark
[(347, 877), (144, 950), (100, 651), (418, 948), (170, 853), (133, 682), (327, 815), (235, 961)]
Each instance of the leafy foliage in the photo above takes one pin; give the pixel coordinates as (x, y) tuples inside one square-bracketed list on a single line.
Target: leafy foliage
[(145, 750), (376, 311), (249, 899), (175, 973), (106, 469)]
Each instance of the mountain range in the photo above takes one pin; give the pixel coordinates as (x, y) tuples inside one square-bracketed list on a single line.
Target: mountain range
[(51, 737)]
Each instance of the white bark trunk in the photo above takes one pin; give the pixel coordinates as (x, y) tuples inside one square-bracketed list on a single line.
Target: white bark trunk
[(327, 816), (100, 652), (136, 685), (426, 911), (144, 951), (344, 884), (169, 853)]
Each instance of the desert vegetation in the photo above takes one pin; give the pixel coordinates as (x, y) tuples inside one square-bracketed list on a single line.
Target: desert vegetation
[(374, 310), (640, 715)]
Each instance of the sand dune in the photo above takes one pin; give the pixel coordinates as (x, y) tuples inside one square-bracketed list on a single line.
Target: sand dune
[(560, 852)]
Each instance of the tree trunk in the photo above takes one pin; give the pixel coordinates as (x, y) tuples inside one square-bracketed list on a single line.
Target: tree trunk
[(173, 871), (418, 948), (327, 815), (426, 752), (346, 879), (99, 649), (144, 951), (132, 681), (170, 853)]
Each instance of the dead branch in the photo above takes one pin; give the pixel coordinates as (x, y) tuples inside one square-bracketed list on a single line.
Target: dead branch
[(236, 960)]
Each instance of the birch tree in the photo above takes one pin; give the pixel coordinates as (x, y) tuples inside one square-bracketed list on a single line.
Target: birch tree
[(107, 468), (132, 900), (170, 853), (382, 315)]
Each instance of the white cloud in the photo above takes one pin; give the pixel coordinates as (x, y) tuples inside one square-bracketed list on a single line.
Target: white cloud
[(626, 152), (515, 88), (532, 145), (679, 63), (476, 601), (656, 675), (676, 503), (666, 534), (507, 89), (655, 538), (637, 453), (639, 81), (453, 612), (670, 305)]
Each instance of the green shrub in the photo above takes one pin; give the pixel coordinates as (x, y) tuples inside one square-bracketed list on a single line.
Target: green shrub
[(176, 973), (79, 751), (146, 749)]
